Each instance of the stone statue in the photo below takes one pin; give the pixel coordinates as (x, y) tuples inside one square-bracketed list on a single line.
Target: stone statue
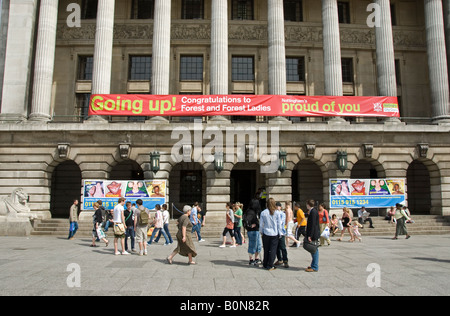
[(15, 206)]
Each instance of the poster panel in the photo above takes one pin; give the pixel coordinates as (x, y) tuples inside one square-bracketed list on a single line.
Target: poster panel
[(151, 192), (242, 105), (370, 193)]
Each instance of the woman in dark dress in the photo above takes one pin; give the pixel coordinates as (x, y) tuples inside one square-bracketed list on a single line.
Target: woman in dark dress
[(347, 223), (185, 246)]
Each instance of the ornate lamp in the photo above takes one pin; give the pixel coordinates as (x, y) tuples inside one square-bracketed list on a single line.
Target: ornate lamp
[(155, 160), (218, 162), (341, 160), (282, 161)]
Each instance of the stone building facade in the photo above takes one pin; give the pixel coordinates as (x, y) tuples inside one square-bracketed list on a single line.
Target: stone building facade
[(50, 65)]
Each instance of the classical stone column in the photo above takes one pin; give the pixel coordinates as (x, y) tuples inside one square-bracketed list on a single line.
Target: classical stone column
[(161, 52), (277, 51), (101, 78), (219, 47), (45, 61), (332, 48), (437, 60), (387, 82), (219, 51), (18, 60)]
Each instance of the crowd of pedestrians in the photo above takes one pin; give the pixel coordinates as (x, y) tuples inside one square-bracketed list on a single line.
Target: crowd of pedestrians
[(269, 229)]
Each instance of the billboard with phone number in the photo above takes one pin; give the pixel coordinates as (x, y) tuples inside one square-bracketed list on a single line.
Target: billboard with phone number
[(370, 193), (151, 192)]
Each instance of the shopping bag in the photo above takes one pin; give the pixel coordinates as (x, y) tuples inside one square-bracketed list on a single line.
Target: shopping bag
[(72, 226), (100, 233), (326, 233), (340, 225)]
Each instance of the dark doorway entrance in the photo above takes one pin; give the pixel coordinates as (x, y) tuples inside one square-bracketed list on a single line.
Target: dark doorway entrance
[(66, 187), (243, 186), (419, 188)]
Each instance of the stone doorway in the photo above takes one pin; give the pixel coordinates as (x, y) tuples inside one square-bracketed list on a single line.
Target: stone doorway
[(66, 187)]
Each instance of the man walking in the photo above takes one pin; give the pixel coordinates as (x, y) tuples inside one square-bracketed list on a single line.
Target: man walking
[(313, 233), (73, 219)]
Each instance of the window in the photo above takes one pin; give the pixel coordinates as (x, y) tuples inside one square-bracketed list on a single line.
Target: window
[(243, 68), (191, 68), (85, 67), (344, 12), (293, 10), (143, 9), (82, 109), (243, 10), (295, 69), (393, 15), (89, 9), (398, 76), (140, 68), (347, 70), (192, 9)]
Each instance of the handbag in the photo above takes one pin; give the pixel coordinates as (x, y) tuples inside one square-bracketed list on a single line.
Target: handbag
[(119, 229), (310, 246)]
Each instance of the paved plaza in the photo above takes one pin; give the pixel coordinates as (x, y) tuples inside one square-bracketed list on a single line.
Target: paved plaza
[(377, 266)]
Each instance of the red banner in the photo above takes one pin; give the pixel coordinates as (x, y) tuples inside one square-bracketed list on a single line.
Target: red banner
[(245, 105)]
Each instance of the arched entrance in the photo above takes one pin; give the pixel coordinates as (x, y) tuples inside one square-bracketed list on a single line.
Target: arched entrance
[(367, 169), (127, 170), (187, 184), (418, 182), (245, 179), (66, 187), (307, 183)]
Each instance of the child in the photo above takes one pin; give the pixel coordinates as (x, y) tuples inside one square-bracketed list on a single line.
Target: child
[(356, 233)]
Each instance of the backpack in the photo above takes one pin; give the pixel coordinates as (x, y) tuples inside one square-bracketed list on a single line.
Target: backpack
[(143, 217), (246, 221)]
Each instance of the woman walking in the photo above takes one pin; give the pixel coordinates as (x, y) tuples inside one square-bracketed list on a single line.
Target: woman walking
[(401, 217), (346, 223), (324, 222), (185, 246), (229, 228), (270, 229)]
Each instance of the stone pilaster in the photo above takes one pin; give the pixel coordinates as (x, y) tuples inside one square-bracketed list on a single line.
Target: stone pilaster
[(437, 60), (45, 61)]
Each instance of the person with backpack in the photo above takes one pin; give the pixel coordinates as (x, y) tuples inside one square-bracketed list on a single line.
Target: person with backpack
[(141, 219), (251, 224)]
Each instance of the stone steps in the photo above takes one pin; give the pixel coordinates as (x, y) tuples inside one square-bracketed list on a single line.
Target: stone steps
[(424, 225)]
